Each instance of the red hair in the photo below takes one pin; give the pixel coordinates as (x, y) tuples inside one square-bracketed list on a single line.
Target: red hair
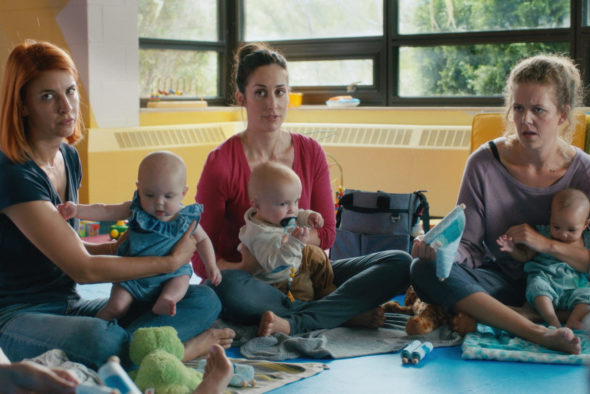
[(25, 63)]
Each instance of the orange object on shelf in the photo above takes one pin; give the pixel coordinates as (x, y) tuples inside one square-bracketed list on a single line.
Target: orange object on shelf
[(295, 99)]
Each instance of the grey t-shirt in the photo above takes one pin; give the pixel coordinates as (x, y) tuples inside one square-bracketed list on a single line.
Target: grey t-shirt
[(496, 201), (26, 274)]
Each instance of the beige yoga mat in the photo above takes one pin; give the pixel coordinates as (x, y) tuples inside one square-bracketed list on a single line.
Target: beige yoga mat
[(270, 375)]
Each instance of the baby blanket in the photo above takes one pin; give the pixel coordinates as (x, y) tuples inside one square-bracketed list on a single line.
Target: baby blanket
[(490, 344)]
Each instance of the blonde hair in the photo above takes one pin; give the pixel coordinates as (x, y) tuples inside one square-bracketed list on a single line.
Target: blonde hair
[(556, 70), (269, 177), (571, 198), (25, 63), (159, 161)]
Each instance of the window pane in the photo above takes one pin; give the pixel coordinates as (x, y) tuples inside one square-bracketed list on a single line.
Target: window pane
[(331, 72), (272, 20), (194, 73), (191, 20), (439, 16), (469, 70)]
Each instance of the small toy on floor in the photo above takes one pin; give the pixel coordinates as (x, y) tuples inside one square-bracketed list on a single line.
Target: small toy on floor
[(420, 352), (414, 352), (158, 351), (407, 351), (427, 317)]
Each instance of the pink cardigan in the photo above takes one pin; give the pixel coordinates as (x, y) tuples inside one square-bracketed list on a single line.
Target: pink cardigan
[(223, 190)]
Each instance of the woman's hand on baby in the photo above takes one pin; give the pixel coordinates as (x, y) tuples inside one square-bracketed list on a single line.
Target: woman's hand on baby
[(184, 249), (423, 251), (68, 210), (315, 220), (526, 235)]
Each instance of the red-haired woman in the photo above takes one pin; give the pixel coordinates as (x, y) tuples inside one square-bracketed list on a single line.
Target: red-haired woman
[(41, 256)]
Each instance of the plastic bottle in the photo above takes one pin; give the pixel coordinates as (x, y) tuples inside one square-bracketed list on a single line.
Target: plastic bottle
[(114, 376)]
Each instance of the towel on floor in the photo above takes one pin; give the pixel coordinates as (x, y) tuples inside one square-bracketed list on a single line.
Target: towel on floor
[(340, 342), (491, 344)]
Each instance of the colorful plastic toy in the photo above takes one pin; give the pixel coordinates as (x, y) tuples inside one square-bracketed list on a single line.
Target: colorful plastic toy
[(117, 229)]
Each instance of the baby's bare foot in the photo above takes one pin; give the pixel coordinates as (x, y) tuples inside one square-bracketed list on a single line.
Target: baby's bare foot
[(373, 318), (164, 307), (271, 323), (463, 323), (218, 372), (202, 343)]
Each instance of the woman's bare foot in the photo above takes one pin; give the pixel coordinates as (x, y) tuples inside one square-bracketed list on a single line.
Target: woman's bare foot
[(271, 323), (202, 343), (218, 372), (561, 339), (373, 318), (462, 323), (164, 307)]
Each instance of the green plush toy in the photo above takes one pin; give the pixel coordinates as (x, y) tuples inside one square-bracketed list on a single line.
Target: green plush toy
[(158, 351)]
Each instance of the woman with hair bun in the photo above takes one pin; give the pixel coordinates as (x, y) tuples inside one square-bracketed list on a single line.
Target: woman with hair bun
[(262, 89)]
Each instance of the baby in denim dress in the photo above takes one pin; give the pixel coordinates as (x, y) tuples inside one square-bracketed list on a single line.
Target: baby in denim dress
[(157, 220)]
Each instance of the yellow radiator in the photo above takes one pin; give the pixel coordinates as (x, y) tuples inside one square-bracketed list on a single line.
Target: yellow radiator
[(393, 158), (114, 155)]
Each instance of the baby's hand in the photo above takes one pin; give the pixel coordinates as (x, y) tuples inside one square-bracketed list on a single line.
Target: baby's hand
[(214, 275), (301, 233), (315, 220), (506, 244), (68, 210)]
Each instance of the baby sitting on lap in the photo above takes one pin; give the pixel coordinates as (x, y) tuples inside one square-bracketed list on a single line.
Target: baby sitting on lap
[(554, 284), (274, 232), (157, 220)]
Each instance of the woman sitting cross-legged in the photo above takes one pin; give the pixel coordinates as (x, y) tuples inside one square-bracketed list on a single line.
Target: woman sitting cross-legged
[(507, 188), (363, 283), (41, 256)]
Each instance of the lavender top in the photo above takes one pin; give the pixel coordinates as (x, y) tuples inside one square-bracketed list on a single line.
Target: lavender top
[(496, 201)]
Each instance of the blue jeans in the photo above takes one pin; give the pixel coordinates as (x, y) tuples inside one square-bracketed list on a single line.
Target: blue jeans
[(29, 330), (363, 283)]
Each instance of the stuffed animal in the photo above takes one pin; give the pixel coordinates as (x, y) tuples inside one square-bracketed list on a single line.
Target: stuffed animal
[(158, 351), (426, 317)]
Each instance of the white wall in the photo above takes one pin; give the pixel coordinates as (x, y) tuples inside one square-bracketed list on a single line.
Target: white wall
[(103, 38)]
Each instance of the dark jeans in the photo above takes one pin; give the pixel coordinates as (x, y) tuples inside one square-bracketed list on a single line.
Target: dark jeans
[(363, 283), (26, 331), (464, 281)]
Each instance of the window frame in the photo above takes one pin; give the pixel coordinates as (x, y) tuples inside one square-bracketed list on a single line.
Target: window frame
[(382, 50), (222, 46)]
